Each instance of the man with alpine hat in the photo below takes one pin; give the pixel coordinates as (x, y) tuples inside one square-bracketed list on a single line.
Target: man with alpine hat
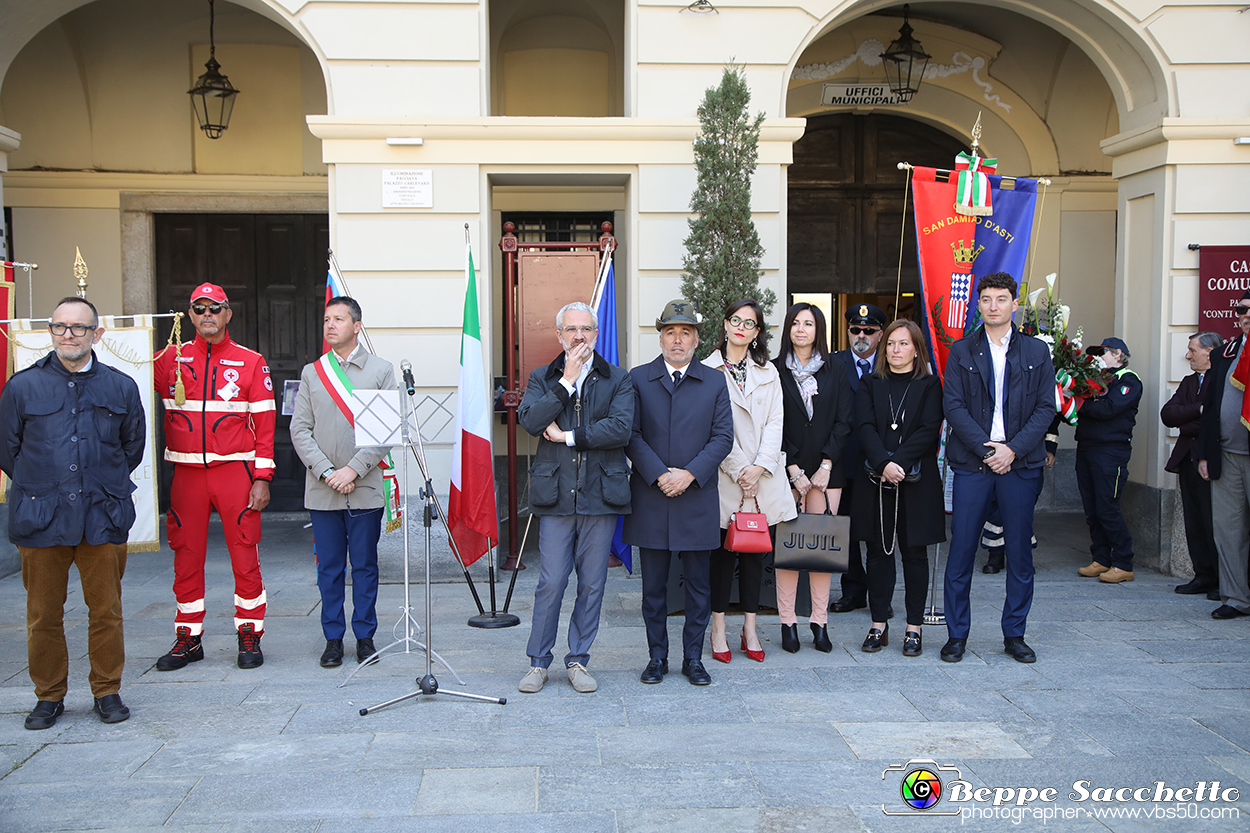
[(1104, 438), (219, 426), (682, 430), (864, 323)]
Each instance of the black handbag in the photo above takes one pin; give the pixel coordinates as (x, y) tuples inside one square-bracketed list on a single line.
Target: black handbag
[(816, 543), (877, 480)]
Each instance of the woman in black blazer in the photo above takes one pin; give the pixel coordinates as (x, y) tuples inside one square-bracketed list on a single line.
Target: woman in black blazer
[(898, 494), (818, 407)]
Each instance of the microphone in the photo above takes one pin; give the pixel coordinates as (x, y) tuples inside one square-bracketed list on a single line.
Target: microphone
[(405, 367)]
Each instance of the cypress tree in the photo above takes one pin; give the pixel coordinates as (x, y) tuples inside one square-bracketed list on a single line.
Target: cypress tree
[(723, 251)]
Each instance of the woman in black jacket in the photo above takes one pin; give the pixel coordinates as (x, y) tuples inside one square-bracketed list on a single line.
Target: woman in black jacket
[(818, 407), (898, 414)]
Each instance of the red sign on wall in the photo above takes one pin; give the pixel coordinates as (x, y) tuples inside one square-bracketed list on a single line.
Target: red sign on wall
[(1223, 277)]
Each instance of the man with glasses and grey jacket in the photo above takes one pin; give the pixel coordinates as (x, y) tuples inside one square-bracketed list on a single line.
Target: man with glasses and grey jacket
[(581, 409)]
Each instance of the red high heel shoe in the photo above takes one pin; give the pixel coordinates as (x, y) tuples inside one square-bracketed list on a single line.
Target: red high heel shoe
[(718, 656), (758, 656)]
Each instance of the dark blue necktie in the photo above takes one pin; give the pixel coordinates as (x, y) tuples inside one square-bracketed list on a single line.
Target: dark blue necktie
[(864, 367), (676, 378)]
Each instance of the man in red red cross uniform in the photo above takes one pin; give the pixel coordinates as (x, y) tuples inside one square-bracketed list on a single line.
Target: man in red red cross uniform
[(220, 439)]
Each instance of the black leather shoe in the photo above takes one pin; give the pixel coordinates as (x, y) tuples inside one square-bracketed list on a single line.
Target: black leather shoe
[(187, 648), (250, 655), (1193, 588), (994, 564), (876, 639), (111, 709), (1227, 612), (820, 637), (365, 650), (332, 656), (654, 672), (847, 604), (953, 650), (790, 639), (44, 714), (912, 646), (694, 669), (1014, 645), (1213, 596)]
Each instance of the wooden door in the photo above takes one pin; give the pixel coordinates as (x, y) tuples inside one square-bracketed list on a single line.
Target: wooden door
[(273, 268)]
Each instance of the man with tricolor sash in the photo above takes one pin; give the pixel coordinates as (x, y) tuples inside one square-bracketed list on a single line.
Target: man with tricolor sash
[(347, 490)]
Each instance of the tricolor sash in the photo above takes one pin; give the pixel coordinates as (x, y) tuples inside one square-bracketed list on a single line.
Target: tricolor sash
[(341, 391)]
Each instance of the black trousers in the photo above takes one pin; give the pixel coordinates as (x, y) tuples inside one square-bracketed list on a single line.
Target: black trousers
[(882, 576), (750, 566), (1101, 472), (1199, 526), (855, 579), (695, 579)]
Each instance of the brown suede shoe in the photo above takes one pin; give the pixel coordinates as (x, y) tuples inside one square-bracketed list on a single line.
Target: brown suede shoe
[(1094, 569), (1115, 575)]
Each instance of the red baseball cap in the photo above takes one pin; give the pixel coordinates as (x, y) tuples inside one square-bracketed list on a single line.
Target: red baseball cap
[(211, 291)]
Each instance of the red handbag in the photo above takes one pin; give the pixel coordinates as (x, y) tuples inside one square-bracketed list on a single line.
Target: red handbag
[(748, 531)]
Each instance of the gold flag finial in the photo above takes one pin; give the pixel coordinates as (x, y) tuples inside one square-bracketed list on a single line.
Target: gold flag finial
[(976, 133), (80, 272)]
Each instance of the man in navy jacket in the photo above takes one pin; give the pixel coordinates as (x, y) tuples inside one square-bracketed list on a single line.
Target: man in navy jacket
[(71, 431), (999, 398), (683, 429)]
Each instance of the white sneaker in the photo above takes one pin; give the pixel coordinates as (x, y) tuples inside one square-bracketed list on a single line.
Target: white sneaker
[(580, 678), (532, 682)]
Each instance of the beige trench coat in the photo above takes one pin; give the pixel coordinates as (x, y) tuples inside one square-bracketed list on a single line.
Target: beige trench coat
[(758, 415)]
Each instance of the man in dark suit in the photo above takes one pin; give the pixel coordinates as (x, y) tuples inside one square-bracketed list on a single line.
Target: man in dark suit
[(1184, 412), (864, 323), (1224, 459), (683, 429), (999, 398)]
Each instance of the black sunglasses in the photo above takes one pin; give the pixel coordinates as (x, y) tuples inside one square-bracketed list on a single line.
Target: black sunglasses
[(200, 309), (865, 330), (1241, 309)]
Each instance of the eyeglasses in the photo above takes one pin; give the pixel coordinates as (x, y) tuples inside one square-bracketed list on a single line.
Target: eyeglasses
[(744, 323), (1241, 309), (868, 331), (77, 330), (200, 309), (571, 330)]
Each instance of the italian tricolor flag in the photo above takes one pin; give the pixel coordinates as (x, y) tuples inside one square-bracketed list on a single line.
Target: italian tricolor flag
[(471, 512)]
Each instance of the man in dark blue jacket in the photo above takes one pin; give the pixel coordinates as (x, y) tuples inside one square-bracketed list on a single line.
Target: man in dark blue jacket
[(683, 429), (1104, 442), (581, 409), (999, 398), (71, 431)]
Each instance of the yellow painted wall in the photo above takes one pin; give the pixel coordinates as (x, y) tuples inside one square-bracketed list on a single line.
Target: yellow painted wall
[(557, 82)]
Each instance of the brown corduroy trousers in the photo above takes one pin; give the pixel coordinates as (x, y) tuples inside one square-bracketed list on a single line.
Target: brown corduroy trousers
[(45, 575)]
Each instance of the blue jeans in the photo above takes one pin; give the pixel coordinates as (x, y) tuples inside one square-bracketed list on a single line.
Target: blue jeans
[(337, 534), (569, 542), (1016, 492)]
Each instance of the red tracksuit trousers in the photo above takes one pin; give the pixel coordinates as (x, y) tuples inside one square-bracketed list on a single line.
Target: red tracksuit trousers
[(192, 497)]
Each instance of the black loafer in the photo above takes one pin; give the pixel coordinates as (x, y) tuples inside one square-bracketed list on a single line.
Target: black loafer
[(790, 639), (654, 672), (1014, 645), (365, 650), (820, 638), (694, 669), (111, 709), (876, 639), (44, 714), (1213, 595), (953, 650), (846, 604), (1193, 588), (1227, 612), (332, 656), (912, 646)]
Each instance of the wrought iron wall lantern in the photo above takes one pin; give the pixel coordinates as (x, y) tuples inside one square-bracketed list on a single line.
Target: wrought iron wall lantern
[(213, 94), (905, 61)]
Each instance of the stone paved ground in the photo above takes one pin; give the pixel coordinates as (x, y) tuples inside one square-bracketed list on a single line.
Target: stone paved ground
[(1133, 685)]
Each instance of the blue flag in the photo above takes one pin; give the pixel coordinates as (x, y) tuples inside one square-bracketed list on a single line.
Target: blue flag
[(607, 347), (1006, 235)]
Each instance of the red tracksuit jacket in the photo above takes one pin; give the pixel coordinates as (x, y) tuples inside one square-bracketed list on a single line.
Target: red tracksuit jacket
[(229, 413)]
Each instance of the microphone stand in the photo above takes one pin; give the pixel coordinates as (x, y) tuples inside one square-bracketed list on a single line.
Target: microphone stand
[(427, 684)]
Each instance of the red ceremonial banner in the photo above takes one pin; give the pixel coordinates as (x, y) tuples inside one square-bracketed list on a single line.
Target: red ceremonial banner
[(7, 292), (1223, 276), (947, 248)]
